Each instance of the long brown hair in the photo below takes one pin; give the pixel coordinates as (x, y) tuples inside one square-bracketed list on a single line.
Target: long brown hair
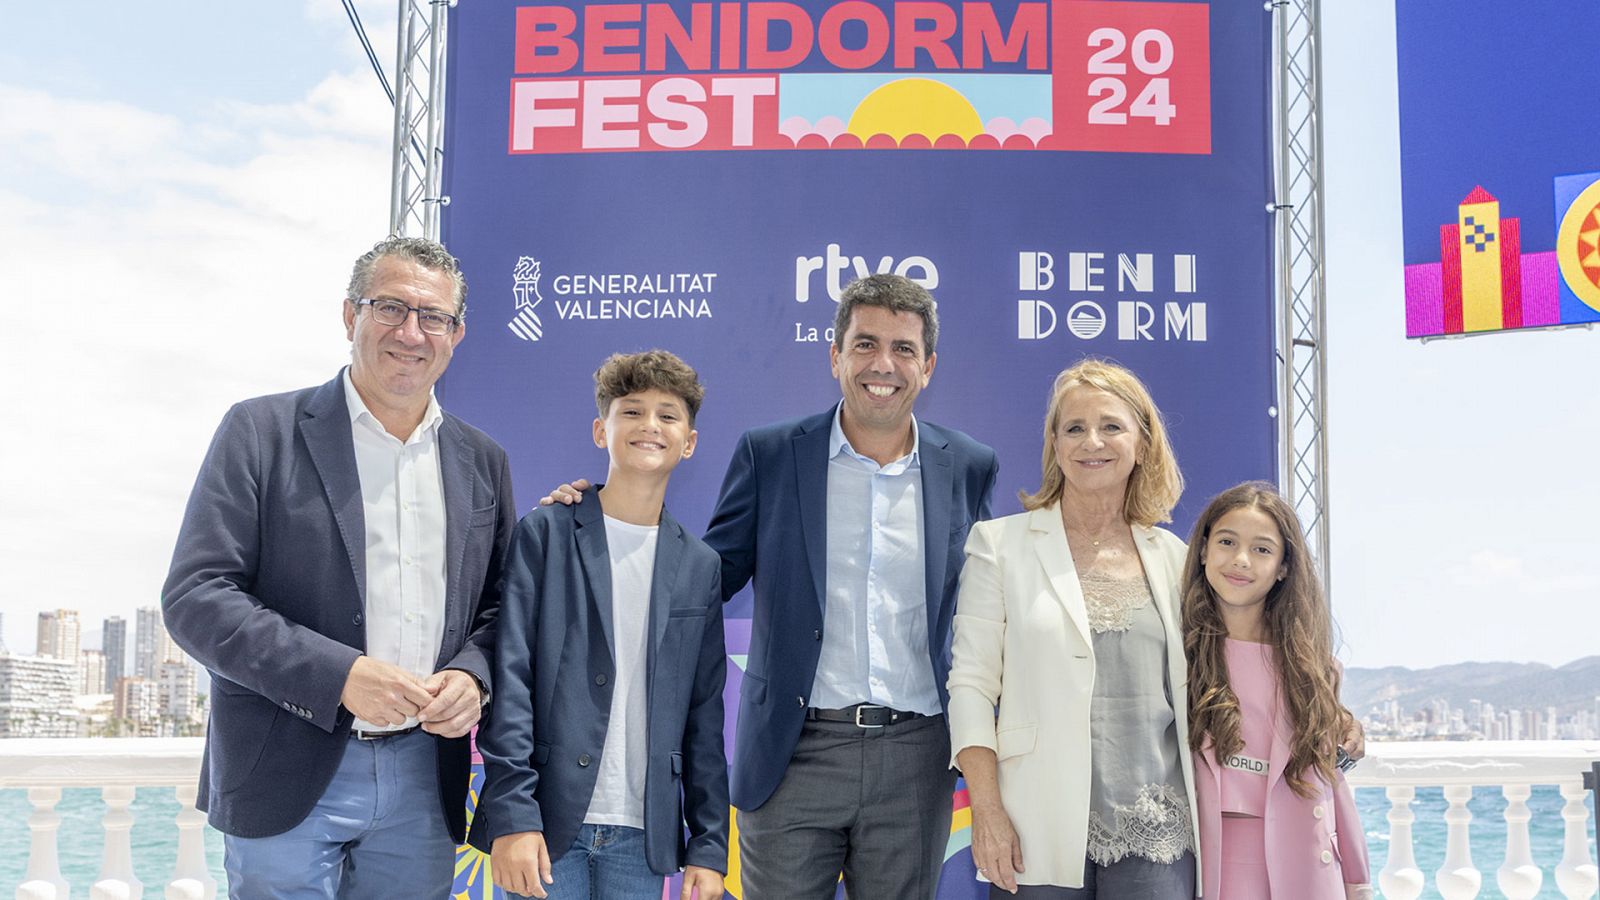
[(1299, 630)]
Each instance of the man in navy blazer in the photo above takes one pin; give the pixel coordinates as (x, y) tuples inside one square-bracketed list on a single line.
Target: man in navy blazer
[(851, 525), (336, 572), (603, 751)]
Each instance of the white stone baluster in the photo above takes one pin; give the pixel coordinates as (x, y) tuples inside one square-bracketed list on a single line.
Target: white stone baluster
[(43, 880), (191, 877), (117, 881), (1400, 878), (1576, 875), (1458, 879), (1518, 877)]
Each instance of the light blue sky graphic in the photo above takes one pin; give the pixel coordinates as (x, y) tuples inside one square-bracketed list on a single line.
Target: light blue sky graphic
[(812, 96)]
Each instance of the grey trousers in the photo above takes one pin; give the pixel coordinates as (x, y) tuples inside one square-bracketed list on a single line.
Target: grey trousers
[(1129, 878), (871, 803)]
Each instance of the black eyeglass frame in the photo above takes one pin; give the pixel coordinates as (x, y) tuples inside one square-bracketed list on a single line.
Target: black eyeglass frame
[(453, 321)]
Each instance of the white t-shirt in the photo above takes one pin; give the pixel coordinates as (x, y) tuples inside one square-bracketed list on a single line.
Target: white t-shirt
[(619, 789)]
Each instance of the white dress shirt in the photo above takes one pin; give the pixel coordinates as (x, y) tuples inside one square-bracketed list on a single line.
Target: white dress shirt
[(875, 620), (402, 498)]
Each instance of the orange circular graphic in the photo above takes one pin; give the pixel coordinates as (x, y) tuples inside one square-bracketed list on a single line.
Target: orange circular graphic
[(1578, 246)]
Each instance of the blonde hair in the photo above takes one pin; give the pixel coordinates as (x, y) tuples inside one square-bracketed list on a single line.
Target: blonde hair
[(1156, 483), (1299, 629)]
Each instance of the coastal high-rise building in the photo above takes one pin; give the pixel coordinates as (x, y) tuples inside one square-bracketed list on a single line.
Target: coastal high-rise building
[(58, 634), (180, 709), (91, 672), (138, 704), (36, 696), (114, 644), (149, 642)]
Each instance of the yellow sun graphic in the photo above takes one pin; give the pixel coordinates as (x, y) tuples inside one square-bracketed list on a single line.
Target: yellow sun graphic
[(915, 106)]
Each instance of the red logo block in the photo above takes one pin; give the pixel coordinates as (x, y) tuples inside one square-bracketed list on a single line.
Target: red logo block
[(1132, 77)]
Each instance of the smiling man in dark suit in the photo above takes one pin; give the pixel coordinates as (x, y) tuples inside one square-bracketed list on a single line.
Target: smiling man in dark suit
[(336, 573), (851, 525)]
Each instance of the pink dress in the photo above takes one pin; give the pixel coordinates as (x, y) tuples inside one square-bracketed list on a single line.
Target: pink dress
[(1256, 834)]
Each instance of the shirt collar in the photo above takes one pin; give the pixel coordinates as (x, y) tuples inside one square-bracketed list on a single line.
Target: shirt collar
[(358, 409), (837, 441)]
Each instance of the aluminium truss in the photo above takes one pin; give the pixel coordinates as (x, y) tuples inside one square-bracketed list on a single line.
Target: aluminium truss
[(415, 196), (1301, 323), (1301, 327)]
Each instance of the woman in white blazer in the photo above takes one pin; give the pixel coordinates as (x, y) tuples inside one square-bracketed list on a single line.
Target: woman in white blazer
[(1068, 712)]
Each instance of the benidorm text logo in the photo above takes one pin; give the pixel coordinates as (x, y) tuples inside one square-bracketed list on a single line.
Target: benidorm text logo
[(1090, 272), (525, 287), (1122, 76)]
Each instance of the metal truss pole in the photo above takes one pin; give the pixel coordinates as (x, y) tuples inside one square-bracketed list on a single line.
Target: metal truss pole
[(414, 197), (1301, 296)]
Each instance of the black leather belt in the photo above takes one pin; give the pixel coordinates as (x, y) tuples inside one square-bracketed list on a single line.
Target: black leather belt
[(380, 735), (863, 715)]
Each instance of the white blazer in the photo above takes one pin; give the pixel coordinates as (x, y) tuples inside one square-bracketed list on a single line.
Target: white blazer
[(1021, 622)]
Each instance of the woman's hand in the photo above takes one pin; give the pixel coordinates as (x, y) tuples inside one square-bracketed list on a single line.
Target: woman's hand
[(995, 847)]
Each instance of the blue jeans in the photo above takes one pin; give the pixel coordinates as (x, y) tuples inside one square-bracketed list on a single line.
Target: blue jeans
[(377, 826), (606, 862)]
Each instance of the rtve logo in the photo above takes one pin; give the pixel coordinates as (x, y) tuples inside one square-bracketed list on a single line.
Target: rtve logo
[(834, 263), (1086, 272)]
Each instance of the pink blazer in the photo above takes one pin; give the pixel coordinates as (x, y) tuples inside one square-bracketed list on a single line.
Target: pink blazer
[(1316, 848)]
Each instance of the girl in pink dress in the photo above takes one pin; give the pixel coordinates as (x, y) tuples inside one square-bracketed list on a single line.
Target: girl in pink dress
[(1276, 816)]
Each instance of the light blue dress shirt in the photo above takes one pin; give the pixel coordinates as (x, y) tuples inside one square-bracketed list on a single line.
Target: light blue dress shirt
[(875, 619)]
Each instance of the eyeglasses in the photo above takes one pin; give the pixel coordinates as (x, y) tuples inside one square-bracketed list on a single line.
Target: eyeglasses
[(393, 313)]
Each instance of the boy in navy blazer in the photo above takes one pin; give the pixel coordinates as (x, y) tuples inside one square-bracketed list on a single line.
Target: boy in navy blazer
[(604, 740)]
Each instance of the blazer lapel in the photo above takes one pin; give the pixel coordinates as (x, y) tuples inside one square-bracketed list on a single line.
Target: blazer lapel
[(455, 465), (811, 477), (664, 580), (591, 537), (937, 467), (1161, 582), (1049, 540), (325, 428)]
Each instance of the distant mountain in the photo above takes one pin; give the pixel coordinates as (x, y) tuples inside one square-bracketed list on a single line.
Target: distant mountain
[(1568, 688)]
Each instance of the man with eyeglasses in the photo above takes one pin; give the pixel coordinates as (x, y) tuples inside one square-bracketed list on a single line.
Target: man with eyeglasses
[(337, 573)]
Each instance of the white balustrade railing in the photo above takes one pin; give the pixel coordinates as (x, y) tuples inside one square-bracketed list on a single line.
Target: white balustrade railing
[(1457, 767), (43, 766)]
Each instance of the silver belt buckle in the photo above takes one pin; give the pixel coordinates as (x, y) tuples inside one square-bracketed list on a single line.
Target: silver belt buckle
[(861, 724)]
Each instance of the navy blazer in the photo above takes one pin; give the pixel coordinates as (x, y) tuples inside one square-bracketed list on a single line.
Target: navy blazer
[(554, 675), (268, 589), (771, 525)]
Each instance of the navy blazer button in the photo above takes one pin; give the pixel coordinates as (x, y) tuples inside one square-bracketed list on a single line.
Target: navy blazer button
[(816, 635), (801, 701), (356, 619), (584, 760), (600, 679)]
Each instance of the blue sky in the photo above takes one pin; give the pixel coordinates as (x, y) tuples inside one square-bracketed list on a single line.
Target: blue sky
[(185, 184)]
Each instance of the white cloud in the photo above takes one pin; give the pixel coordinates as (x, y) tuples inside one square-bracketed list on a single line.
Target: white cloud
[(168, 267)]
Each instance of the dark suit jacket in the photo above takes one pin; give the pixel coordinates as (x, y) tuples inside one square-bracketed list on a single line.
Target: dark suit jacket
[(771, 525), (268, 589), (554, 675)]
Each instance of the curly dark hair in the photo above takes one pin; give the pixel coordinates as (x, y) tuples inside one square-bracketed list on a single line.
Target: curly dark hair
[(631, 373)]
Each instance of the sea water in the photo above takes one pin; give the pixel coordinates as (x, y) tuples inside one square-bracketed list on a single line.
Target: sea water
[(155, 836)]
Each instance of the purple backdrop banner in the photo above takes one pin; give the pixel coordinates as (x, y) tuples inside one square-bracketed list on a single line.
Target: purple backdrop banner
[(1073, 178)]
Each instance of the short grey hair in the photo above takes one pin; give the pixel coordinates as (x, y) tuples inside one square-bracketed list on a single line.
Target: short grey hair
[(428, 254), (897, 294)]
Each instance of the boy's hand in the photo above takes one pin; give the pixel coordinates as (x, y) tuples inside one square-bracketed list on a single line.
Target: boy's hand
[(707, 881), (521, 863), (567, 494)]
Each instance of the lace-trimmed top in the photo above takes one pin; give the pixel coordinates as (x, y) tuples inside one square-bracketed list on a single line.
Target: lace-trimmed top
[(1137, 803)]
